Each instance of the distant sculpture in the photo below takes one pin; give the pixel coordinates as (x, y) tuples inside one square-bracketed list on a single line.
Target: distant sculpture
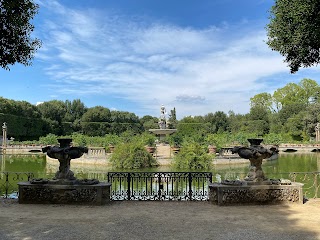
[(163, 122), (255, 153)]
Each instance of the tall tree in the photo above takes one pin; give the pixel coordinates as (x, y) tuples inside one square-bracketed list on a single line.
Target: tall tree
[(74, 110), (294, 31), (96, 121), (53, 113), (54, 110), (16, 44), (263, 100), (287, 95), (309, 90)]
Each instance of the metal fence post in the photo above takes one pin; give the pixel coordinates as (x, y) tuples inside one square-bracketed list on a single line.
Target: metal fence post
[(129, 187), (190, 186), (160, 186)]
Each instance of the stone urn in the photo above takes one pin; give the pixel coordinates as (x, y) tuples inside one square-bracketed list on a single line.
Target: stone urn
[(255, 153), (64, 153)]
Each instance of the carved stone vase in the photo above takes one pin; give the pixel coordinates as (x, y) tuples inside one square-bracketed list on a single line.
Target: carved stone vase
[(255, 153), (64, 153)]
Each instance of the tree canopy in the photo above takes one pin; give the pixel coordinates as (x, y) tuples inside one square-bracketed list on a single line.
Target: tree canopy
[(294, 31), (16, 44)]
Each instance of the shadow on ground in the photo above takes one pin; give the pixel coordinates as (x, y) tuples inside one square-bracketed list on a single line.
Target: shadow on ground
[(159, 220)]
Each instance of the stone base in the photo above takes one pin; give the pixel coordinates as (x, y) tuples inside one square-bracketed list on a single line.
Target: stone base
[(221, 194), (97, 194)]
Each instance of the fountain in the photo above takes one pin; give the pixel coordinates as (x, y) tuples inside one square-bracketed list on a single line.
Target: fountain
[(163, 123), (256, 188), (64, 188)]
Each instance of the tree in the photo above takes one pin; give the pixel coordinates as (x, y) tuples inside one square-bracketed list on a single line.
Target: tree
[(173, 118), (258, 120), (312, 117), (235, 122), (218, 120), (309, 90), (287, 95), (74, 110), (304, 92), (54, 110), (16, 44), (294, 31), (263, 100), (96, 121), (149, 122)]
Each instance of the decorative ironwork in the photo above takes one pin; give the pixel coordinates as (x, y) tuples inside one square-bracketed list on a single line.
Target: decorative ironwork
[(160, 185), (146, 186), (9, 180), (311, 182)]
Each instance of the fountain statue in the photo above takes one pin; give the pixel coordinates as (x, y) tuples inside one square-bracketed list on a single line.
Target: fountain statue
[(64, 188), (255, 153), (255, 188), (163, 123), (64, 153)]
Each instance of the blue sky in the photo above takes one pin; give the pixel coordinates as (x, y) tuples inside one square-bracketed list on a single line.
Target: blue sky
[(198, 56)]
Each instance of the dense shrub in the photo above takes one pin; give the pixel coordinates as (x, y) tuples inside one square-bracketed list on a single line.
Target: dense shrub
[(193, 156), (132, 155)]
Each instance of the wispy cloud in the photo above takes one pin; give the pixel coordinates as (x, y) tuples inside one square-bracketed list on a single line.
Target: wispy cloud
[(197, 71)]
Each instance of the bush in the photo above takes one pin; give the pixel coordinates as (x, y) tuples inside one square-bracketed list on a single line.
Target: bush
[(193, 156), (132, 155), (148, 139), (50, 139)]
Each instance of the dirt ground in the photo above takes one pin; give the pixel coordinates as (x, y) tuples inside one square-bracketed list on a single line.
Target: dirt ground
[(159, 220)]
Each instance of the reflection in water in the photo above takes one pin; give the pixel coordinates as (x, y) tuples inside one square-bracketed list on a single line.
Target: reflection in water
[(287, 162)]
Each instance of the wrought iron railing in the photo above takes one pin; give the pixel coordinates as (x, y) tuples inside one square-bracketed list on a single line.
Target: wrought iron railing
[(9, 180), (159, 185)]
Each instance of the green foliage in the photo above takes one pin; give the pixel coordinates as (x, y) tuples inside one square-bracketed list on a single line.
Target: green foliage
[(190, 129), (175, 139), (218, 121), (19, 108), (273, 138), (218, 140), (149, 122), (294, 31), (74, 110), (95, 128), (294, 116), (132, 155), (148, 139), (17, 46), (97, 114), (192, 156), (263, 100), (23, 128), (79, 139), (50, 139)]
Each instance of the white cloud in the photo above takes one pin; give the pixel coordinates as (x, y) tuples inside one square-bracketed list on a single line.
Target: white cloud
[(197, 71)]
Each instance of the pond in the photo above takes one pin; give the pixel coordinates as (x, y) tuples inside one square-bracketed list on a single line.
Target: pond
[(280, 168)]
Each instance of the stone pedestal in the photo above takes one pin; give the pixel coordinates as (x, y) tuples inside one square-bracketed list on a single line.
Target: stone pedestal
[(96, 194), (221, 194)]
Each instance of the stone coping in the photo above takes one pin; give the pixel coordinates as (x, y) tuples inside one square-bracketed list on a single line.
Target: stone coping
[(222, 194), (95, 194)]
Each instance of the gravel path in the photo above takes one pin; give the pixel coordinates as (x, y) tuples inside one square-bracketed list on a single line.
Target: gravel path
[(159, 220)]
